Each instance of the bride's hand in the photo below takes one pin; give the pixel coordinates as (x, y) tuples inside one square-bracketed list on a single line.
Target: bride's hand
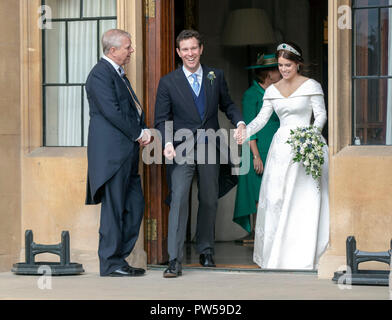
[(240, 135)]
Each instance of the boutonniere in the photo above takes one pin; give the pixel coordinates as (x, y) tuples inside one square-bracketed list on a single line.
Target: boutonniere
[(211, 76)]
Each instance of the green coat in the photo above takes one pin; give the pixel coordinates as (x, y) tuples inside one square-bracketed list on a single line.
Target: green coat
[(249, 184)]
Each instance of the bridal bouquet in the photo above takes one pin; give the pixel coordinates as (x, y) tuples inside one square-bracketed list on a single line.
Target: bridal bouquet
[(307, 146)]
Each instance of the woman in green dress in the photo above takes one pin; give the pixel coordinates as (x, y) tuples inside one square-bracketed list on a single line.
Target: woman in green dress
[(266, 73)]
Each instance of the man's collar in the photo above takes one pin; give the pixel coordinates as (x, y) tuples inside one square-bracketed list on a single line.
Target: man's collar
[(115, 65), (187, 73)]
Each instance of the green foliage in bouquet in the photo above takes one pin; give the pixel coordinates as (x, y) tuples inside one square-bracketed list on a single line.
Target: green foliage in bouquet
[(307, 145)]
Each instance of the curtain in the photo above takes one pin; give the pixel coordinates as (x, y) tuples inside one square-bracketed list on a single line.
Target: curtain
[(83, 50), (389, 100)]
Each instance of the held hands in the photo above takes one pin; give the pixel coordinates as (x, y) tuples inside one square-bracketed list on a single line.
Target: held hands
[(145, 139), (240, 134), (169, 152)]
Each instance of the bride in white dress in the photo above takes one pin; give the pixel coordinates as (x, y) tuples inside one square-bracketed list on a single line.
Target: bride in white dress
[(292, 226)]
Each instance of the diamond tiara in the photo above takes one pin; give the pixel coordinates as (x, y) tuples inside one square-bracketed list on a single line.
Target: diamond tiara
[(285, 46)]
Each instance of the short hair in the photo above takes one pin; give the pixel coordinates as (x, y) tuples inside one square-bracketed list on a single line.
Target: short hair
[(112, 38), (187, 34)]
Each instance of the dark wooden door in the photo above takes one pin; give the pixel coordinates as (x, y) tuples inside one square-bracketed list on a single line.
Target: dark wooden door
[(159, 54)]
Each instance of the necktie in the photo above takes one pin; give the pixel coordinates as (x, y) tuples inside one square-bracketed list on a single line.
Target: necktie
[(128, 84), (195, 84)]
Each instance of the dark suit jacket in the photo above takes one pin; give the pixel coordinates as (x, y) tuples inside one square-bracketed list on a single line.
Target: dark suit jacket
[(114, 127), (175, 103)]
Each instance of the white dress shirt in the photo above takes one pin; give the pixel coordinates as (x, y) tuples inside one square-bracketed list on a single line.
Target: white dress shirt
[(117, 67), (199, 73)]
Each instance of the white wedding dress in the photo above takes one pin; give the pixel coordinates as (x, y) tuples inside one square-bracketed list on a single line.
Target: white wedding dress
[(292, 225)]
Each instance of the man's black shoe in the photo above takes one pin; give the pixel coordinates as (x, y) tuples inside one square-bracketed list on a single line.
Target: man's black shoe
[(207, 260), (136, 271), (173, 270), (127, 271)]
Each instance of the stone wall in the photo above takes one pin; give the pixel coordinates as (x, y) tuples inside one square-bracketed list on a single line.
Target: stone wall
[(10, 124)]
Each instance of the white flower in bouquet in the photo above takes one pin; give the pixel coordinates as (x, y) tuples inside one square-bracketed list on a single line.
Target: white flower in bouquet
[(307, 146)]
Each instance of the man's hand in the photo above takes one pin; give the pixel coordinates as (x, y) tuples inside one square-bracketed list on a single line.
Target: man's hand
[(240, 134), (169, 152), (146, 138)]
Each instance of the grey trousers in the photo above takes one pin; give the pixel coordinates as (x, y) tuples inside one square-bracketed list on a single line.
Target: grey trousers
[(208, 185)]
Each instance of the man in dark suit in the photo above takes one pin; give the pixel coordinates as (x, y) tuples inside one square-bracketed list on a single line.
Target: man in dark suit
[(116, 132), (190, 97)]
